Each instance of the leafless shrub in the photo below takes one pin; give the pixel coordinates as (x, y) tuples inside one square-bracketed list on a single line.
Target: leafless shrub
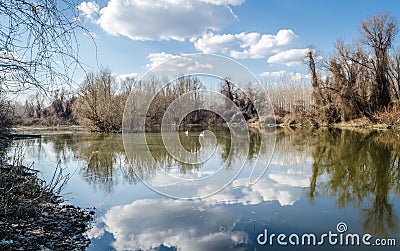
[(101, 103)]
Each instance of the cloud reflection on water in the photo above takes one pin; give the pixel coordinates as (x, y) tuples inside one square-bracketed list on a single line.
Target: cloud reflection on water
[(204, 224)]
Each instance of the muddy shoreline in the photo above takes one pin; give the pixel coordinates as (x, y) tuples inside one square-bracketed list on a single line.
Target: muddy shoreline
[(33, 216)]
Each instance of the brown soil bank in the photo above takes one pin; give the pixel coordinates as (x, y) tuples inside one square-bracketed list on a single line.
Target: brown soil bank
[(32, 216)]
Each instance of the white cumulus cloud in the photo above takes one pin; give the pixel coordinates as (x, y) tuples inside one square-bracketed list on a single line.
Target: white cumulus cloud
[(283, 187), (274, 74), (211, 43), (148, 224), (164, 19), (159, 58), (294, 76), (224, 2), (246, 45), (289, 57), (89, 9), (181, 63)]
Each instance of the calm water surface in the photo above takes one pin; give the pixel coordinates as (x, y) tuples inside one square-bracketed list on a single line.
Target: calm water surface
[(316, 179)]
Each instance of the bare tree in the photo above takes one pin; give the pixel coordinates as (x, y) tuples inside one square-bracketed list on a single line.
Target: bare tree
[(100, 104), (394, 76), (5, 111), (38, 44), (350, 81), (165, 96), (317, 89), (378, 33), (243, 99)]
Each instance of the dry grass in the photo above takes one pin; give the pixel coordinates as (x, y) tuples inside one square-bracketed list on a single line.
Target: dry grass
[(389, 116)]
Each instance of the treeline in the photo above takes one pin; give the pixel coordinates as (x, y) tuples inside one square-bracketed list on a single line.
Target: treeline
[(100, 102), (36, 111), (291, 98), (190, 87), (98, 105), (361, 79)]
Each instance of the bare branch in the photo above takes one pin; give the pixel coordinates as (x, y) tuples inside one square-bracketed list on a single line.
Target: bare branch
[(38, 44)]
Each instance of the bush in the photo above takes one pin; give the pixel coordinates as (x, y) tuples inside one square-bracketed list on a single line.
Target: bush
[(100, 105)]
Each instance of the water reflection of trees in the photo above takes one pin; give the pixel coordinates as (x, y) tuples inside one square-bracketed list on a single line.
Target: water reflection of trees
[(147, 164), (362, 170), (106, 161), (103, 155)]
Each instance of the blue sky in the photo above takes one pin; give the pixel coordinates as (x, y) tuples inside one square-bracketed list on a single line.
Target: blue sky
[(266, 36)]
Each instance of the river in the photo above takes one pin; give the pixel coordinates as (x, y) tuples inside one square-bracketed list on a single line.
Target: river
[(318, 181)]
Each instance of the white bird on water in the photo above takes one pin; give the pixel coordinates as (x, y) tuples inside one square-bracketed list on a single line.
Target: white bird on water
[(202, 134), (187, 133)]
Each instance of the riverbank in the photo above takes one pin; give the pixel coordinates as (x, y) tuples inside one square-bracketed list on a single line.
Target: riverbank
[(61, 128), (359, 123), (33, 216), (380, 121)]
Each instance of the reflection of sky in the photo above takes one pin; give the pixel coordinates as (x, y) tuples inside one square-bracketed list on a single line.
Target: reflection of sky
[(283, 186), (147, 224), (204, 224)]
